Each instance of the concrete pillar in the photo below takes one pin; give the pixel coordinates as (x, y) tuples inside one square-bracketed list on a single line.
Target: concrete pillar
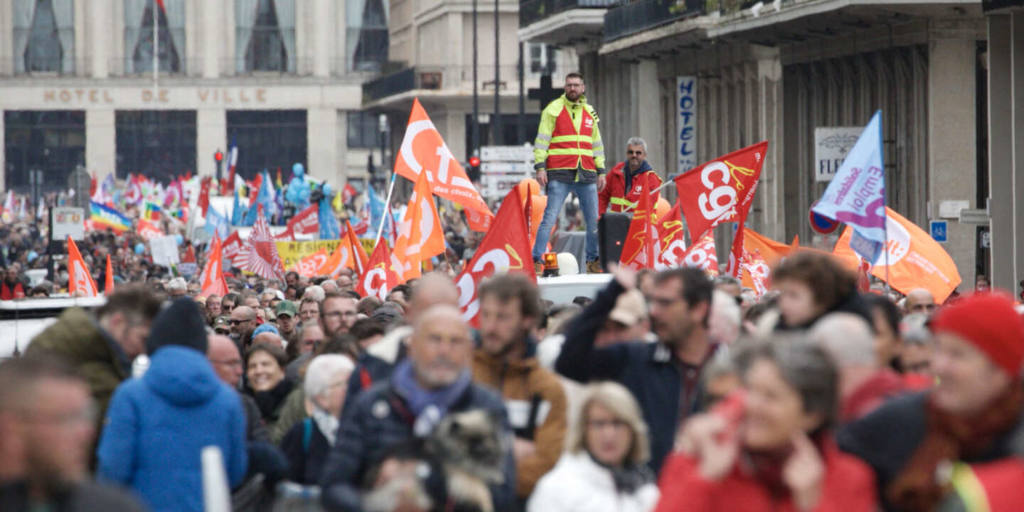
[(82, 48), (209, 42), (211, 135), (453, 131), (1000, 152), (322, 49), (952, 154), (6, 44), (321, 140), (100, 142), (649, 118), (3, 153), (99, 38), (770, 192)]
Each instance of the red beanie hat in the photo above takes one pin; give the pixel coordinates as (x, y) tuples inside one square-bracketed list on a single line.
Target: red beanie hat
[(989, 322)]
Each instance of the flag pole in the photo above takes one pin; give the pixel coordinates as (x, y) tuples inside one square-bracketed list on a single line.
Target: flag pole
[(387, 211), (885, 222)]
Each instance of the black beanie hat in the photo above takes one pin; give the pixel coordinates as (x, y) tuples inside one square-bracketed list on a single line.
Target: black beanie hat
[(180, 323)]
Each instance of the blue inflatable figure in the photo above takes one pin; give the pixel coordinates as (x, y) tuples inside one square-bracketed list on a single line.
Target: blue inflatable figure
[(298, 190)]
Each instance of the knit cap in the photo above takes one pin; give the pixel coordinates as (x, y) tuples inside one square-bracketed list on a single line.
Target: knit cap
[(989, 322), (180, 323)]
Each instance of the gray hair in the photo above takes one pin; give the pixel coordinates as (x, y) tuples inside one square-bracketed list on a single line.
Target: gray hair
[(322, 370), (724, 318), (177, 283), (806, 367), (315, 292), (914, 329), (620, 402), (637, 141), (847, 338)]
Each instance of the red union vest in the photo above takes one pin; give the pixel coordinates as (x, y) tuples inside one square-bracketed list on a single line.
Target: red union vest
[(570, 149)]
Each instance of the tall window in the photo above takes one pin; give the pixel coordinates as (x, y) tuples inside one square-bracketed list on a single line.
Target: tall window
[(52, 141), (267, 139), (44, 36), (157, 143), (363, 130), (542, 59), (139, 33), (366, 34), (265, 35)]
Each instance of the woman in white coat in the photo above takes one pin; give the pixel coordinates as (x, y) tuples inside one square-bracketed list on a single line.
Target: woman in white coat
[(604, 466)]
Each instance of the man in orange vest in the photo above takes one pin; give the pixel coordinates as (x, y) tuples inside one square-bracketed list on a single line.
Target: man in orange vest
[(625, 181), (569, 157)]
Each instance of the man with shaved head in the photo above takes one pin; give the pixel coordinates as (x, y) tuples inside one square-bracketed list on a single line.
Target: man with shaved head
[(863, 383), (243, 323), (920, 300), (375, 364), (227, 363), (432, 382)]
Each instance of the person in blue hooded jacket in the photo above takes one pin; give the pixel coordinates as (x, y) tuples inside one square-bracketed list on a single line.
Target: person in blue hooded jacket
[(157, 425)]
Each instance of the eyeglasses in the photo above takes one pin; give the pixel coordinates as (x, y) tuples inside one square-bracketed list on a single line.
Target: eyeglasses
[(635, 152), (617, 424), (221, 331), (236, 322)]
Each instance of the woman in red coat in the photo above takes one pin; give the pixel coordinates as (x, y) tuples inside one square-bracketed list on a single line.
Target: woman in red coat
[(769, 449)]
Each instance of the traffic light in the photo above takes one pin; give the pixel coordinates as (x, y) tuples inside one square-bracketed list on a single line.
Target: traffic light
[(218, 158), (474, 168)]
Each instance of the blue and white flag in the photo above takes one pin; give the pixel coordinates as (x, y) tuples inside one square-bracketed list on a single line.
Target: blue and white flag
[(376, 205), (217, 223), (330, 228), (856, 195)]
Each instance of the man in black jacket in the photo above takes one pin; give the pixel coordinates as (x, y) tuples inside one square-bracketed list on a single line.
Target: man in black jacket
[(665, 376), (432, 382)]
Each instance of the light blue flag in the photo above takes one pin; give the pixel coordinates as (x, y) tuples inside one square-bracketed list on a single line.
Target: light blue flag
[(218, 224), (376, 206), (856, 194), (330, 229)]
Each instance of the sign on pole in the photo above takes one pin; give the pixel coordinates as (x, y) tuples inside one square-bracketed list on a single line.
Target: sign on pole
[(502, 167), (67, 220), (939, 230), (686, 126), (831, 144), (165, 250)]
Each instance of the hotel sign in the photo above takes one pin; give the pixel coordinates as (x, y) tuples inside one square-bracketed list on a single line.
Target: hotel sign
[(214, 96)]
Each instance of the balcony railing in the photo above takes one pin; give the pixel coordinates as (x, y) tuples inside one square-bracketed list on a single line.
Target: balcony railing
[(444, 77), (641, 15), (531, 11)]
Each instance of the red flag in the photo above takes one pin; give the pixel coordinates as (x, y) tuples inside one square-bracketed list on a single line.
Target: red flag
[(108, 284), (285, 235), (419, 234), (361, 260), (703, 255), (381, 275), (671, 242), (204, 195), (423, 149), (161, 4), (234, 249), (80, 281), (261, 255), (305, 222), (148, 230), (212, 277), (639, 248), (505, 249), (721, 190)]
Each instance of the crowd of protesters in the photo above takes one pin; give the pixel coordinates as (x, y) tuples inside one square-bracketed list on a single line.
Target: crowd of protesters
[(668, 391)]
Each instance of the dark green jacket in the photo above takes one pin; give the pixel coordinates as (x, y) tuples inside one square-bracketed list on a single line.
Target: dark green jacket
[(77, 338)]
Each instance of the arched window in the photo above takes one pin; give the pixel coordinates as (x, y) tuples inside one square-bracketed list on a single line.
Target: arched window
[(138, 40), (265, 36), (44, 36)]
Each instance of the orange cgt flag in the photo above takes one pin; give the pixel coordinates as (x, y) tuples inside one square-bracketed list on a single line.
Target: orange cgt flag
[(310, 266), (419, 235), (212, 278), (424, 151), (80, 283), (760, 253), (641, 240), (915, 259), (108, 281)]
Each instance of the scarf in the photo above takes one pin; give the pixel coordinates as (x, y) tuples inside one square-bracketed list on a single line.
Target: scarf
[(628, 175), (268, 401), (427, 405), (948, 439), (327, 423), (766, 466), (627, 478)]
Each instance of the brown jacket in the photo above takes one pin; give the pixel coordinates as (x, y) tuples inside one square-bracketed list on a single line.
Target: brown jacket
[(535, 402)]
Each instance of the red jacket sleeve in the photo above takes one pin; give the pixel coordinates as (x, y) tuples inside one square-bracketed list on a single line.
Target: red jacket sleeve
[(682, 487), (849, 486), (605, 194)]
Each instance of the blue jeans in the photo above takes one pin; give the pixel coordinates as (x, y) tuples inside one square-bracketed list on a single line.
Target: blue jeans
[(557, 191)]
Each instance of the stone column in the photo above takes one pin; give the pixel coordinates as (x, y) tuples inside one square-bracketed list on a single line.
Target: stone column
[(99, 38), (211, 135), (3, 153), (1000, 152), (321, 145), (650, 119), (100, 142), (952, 155), (322, 48), (209, 42), (770, 192)]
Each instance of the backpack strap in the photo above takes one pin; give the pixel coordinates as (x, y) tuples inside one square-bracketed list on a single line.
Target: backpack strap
[(307, 434)]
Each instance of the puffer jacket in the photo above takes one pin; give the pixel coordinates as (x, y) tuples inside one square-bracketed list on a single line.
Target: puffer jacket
[(578, 484), (158, 425), (536, 406)]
